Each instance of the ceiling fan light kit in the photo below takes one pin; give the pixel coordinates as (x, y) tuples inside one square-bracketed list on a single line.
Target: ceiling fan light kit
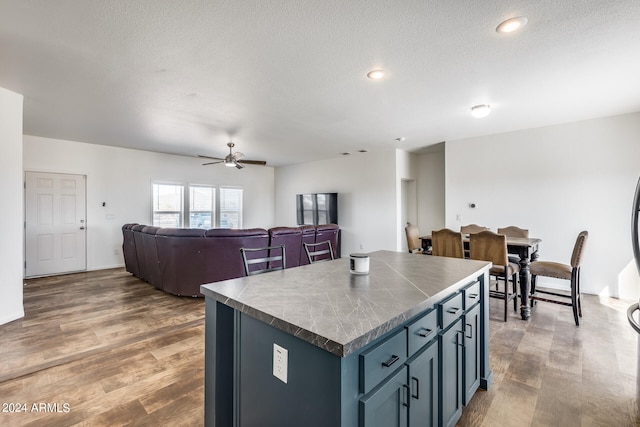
[(232, 159)]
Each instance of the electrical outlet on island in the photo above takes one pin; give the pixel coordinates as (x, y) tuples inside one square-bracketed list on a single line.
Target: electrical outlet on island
[(280, 362)]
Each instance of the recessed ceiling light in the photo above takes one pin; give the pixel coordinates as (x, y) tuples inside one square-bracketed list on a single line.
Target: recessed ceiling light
[(345, 154), (375, 74), (512, 24), (480, 111), (362, 151)]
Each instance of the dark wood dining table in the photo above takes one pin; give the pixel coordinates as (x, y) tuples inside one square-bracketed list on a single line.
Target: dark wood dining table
[(526, 249)]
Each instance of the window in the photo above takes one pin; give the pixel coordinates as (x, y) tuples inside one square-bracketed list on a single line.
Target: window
[(167, 205), (198, 207), (230, 207), (201, 207)]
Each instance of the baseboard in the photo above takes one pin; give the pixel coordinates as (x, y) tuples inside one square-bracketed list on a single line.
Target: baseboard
[(105, 267), (11, 317)]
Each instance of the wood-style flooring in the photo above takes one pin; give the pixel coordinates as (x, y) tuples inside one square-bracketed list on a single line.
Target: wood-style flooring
[(111, 347), (106, 349)]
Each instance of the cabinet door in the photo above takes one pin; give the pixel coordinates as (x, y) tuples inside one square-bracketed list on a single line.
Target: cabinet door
[(387, 405), (423, 383), (471, 353), (451, 374)]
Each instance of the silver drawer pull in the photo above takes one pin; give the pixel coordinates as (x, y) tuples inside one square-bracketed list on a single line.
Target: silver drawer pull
[(407, 395), (417, 388), (393, 359), (425, 332), (473, 296), (453, 310)]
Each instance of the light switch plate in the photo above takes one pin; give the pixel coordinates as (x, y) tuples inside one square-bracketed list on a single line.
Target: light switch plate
[(280, 362)]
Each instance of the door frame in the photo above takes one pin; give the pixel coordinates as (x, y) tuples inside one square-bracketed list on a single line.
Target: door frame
[(408, 207)]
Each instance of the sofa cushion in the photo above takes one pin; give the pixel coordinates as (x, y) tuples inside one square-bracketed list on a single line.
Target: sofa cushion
[(129, 250), (291, 238), (224, 260), (181, 232), (140, 253), (181, 255), (152, 264)]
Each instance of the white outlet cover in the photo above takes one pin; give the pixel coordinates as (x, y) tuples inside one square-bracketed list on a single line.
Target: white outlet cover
[(280, 362)]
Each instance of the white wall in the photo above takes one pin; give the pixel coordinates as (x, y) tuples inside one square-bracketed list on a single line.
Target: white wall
[(122, 178), (431, 191), (11, 214), (555, 181), (366, 187)]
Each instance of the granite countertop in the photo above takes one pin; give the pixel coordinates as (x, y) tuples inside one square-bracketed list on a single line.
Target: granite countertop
[(326, 305)]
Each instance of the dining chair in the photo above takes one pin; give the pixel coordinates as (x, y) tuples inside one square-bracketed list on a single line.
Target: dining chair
[(489, 246), (321, 251), (557, 270), (447, 242), (414, 244), (472, 228), (261, 260), (513, 231)]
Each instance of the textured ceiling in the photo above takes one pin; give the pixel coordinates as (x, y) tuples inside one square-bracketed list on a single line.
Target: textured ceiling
[(286, 79)]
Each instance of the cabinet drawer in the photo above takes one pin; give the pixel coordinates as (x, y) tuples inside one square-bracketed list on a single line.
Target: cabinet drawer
[(450, 310), (381, 360), (422, 331), (471, 295)]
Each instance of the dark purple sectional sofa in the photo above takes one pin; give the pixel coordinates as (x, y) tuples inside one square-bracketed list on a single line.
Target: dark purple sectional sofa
[(179, 260)]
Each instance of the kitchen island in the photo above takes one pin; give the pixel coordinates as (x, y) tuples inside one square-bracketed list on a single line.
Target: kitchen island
[(318, 346)]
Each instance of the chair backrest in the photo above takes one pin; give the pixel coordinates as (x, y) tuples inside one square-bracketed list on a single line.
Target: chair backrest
[(472, 228), (413, 237), (262, 260), (328, 232), (447, 243), (316, 252), (578, 249), (489, 246), (513, 231), (308, 236)]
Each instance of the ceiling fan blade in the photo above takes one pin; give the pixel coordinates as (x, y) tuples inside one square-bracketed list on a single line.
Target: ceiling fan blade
[(208, 157), (253, 162), (238, 155), (212, 163), (239, 166)]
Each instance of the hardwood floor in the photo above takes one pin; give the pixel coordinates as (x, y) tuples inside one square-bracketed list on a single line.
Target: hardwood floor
[(106, 349), (112, 348), (548, 372)]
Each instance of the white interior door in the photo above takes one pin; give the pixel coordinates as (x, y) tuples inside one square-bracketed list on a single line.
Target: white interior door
[(55, 225)]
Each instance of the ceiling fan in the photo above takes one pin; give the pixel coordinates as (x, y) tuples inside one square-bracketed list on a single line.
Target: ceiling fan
[(233, 159)]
